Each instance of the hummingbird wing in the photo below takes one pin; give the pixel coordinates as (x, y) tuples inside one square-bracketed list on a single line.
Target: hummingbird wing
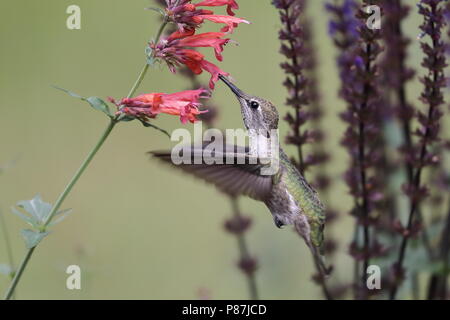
[(233, 179)]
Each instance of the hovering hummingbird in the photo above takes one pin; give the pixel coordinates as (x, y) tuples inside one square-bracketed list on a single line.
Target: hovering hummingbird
[(286, 193)]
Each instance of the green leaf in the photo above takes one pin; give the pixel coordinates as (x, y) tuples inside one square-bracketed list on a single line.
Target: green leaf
[(37, 208), (60, 216), (149, 125), (126, 118), (38, 212), (73, 94), (94, 102), (32, 238), (6, 269), (150, 59), (99, 104), (158, 10), (30, 220)]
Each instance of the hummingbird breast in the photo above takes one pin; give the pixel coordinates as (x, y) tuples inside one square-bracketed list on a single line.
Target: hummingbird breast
[(294, 201), (282, 205)]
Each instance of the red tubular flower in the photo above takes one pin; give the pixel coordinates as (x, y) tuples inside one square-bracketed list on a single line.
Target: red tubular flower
[(188, 17), (231, 22), (214, 70), (209, 39), (231, 4), (184, 104), (174, 50)]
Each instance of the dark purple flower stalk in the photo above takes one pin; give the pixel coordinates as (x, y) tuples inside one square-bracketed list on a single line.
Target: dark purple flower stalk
[(396, 75), (395, 72), (318, 156), (359, 49), (293, 48), (296, 46), (422, 154), (438, 285), (343, 29), (238, 225)]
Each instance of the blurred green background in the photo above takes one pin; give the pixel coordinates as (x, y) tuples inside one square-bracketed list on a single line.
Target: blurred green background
[(140, 230)]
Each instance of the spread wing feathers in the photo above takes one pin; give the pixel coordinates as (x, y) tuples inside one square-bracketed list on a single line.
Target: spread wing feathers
[(233, 179)]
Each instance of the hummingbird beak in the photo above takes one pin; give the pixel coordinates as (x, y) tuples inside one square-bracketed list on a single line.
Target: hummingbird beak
[(233, 88)]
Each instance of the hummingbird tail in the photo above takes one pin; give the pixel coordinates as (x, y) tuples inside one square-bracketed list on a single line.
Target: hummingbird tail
[(302, 227), (319, 261)]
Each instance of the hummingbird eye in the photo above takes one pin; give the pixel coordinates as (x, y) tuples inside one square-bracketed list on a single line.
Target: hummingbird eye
[(254, 104)]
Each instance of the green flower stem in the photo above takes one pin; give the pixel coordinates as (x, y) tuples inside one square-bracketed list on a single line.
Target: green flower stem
[(58, 204), (145, 68), (8, 247), (138, 81), (245, 254), (78, 174), (18, 275), (7, 242)]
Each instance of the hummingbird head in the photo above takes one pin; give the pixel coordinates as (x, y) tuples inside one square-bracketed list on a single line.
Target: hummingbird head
[(257, 113)]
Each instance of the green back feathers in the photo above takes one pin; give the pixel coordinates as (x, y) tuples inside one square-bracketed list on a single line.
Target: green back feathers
[(306, 197)]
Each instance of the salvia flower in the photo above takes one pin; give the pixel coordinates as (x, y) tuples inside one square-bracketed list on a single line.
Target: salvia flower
[(188, 16), (424, 153), (293, 48), (184, 104), (345, 24), (395, 75), (357, 62), (177, 50)]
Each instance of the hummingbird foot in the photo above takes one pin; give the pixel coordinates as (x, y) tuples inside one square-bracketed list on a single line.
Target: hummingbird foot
[(278, 222)]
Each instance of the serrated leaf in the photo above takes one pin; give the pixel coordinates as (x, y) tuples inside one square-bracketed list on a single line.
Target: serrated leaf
[(37, 208), (30, 220), (5, 269), (32, 238), (149, 125), (99, 104)]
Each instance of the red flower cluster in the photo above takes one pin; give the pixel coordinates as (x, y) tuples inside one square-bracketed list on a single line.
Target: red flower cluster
[(184, 104), (188, 17), (175, 49)]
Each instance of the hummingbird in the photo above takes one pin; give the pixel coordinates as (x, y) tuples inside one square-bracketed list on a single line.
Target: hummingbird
[(289, 197)]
